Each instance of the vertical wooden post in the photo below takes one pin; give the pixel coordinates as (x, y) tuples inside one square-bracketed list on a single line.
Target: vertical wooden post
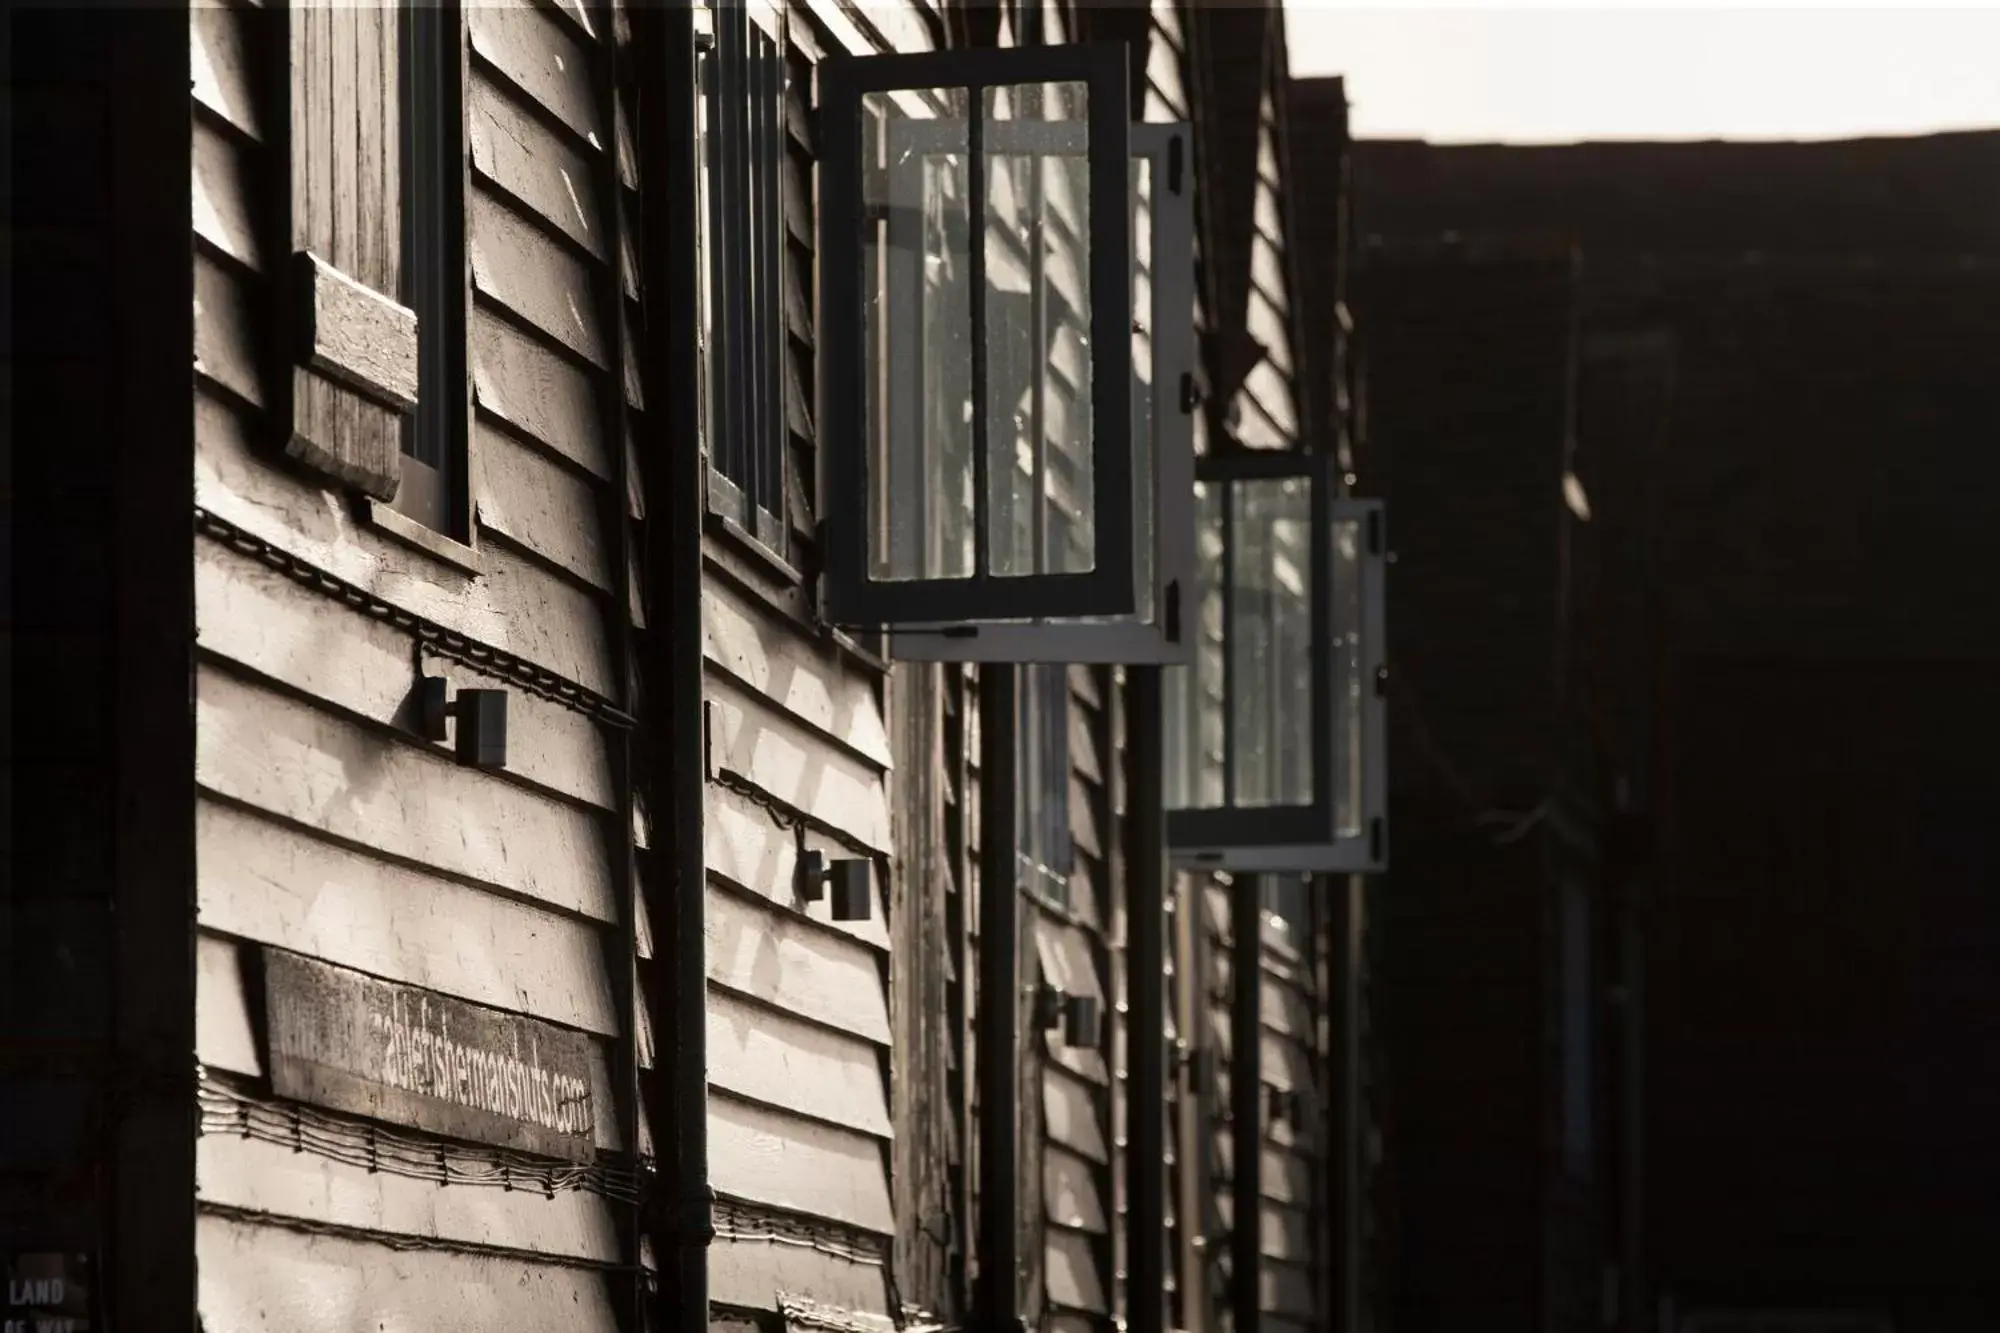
[(997, 1289)]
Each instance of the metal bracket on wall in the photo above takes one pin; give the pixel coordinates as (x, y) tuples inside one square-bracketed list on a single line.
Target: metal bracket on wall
[(482, 721)]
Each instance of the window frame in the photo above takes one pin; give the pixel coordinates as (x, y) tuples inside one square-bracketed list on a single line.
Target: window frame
[(1045, 844), (434, 160), (851, 596), (1165, 638), (1303, 838), (744, 350)]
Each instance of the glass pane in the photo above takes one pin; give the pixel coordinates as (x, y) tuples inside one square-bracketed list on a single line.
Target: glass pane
[(1144, 320), (1042, 852), (1270, 642), (916, 195), (1193, 694), (1347, 681), (1037, 334)]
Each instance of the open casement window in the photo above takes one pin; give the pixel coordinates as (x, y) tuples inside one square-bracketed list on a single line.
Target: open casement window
[(1163, 366), (741, 114), (1275, 743), (976, 244)]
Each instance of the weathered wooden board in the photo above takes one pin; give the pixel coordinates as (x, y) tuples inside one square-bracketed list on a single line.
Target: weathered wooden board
[(1285, 1233), (820, 688), (1282, 1008), (223, 194), (765, 1055), (748, 850), (521, 269), (280, 755), (1070, 1191), (259, 1279), (537, 391), (226, 325), (548, 172), (750, 1272), (767, 1157), (543, 58), (271, 624), (1285, 1289), (1072, 1115), (539, 504), (226, 1036), (512, 605), (219, 48), (276, 885), (759, 744), (797, 965), (1072, 1274), (269, 1178), (1284, 1176), (355, 1043)]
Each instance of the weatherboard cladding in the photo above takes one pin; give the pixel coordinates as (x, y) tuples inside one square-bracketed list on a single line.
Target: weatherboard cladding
[(326, 829), (329, 831)]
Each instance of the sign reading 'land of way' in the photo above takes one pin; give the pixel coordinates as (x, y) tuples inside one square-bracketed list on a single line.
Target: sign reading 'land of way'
[(354, 1043)]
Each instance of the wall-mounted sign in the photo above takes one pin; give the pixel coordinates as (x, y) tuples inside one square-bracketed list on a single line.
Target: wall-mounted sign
[(354, 1043), (47, 1292)]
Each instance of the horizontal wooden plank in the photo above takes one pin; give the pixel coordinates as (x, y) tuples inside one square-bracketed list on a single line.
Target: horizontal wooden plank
[(547, 172), (795, 965), (273, 884), (1071, 1191), (268, 1178), (1283, 1009), (259, 1278), (1285, 1289), (1282, 1175), (225, 195), (1083, 826), (511, 606), (537, 391), (537, 503), (544, 58), (748, 1270), (1071, 1274), (227, 318), (285, 757), (1067, 957), (221, 59), (748, 849), (766, 1156), (351, 333), (1285, 1233), (520, 268), (270, 623), (224, 1037), (1083, 756), (764, 1055), (815, 683), (756, 743), (1072, 1114)]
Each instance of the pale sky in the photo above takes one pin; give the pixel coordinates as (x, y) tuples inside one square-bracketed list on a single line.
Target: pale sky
[(1559, 72)]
